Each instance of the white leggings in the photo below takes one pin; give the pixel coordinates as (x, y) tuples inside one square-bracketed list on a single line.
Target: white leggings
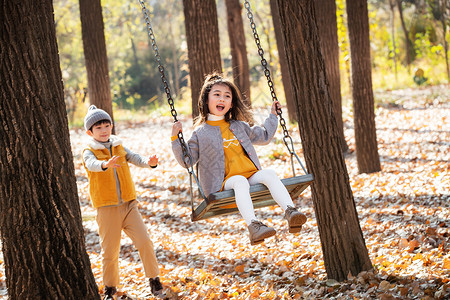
[(241, 187)]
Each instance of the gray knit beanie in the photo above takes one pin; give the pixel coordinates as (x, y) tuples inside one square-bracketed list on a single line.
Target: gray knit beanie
[(94, 115)]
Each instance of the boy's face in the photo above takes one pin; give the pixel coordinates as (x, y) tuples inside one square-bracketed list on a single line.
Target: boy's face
[(101, 132)]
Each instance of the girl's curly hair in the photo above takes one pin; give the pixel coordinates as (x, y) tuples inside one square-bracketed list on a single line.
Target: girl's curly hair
[(238, 111)]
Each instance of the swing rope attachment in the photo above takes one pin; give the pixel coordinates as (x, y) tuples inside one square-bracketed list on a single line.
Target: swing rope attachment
[(287, 139)]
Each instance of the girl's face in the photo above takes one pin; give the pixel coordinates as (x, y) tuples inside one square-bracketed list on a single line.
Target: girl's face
[(220, 99), (101, 132)]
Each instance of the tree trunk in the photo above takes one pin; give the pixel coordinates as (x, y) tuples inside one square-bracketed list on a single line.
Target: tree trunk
[(440, 10), (94, 45), (367, 156), (444, 32), (285, 77), (239, 61), (202, 36), (406, 33), (327, 26), (344, 46), (41, 231), (343, 245), (394, 46)]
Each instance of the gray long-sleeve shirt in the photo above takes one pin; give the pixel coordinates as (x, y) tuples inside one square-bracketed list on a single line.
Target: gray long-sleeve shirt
[(206, 148)]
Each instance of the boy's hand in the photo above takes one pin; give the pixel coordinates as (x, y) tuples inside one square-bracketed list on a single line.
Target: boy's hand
[(112, 163), (153, 161), (176, 127), (275, 105)]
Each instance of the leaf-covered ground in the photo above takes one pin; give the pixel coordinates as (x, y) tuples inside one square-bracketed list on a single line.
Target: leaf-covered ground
[(404, 213)]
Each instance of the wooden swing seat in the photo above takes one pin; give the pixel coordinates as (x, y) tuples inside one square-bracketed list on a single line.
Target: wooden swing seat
[(223, 203)]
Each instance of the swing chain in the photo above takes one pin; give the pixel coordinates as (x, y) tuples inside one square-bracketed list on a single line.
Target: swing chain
[(151, 35), (187, 158), (267, 74), (173, 111), (287, 139)]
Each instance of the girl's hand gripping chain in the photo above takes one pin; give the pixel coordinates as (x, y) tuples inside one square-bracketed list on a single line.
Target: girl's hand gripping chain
[(176, 127), (275, 105)]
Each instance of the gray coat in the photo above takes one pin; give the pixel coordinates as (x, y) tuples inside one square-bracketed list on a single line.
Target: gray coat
[(206, 149)]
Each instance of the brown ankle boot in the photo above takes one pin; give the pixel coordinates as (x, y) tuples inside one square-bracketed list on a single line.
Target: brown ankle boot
[(109, 292), (295, 219), (156, 287), (258, 232)]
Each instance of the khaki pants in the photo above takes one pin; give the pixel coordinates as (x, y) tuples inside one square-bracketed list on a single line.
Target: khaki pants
[(111, 221)]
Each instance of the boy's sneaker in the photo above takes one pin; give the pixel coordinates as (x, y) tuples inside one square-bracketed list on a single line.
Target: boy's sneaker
[(258, 232), (156, 287), (109, 292), (295, 219)]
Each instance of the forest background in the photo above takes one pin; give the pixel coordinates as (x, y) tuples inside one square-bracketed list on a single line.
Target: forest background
[(135, 79)]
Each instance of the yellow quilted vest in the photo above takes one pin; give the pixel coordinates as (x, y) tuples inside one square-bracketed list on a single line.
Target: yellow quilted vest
[(102, 185)]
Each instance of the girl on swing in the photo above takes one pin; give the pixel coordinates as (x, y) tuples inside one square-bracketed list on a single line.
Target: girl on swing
[(221, 144)]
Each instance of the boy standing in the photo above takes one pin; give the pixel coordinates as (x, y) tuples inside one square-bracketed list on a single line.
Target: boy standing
[(112, 193)]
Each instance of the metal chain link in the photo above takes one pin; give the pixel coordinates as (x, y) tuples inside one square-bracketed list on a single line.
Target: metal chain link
[(287, 139), (151, 35), (267, 74), (187, 159)]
